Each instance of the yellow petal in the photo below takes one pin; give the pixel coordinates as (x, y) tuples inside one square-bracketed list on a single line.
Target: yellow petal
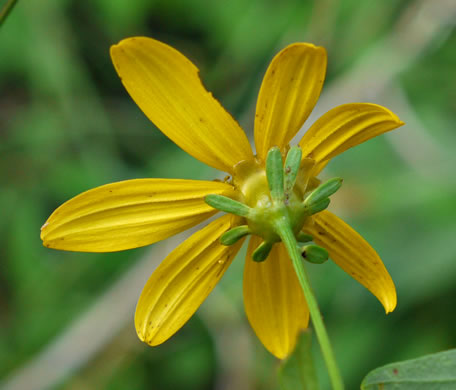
[(343, 127), (288, 94), (183, 281), (354, 255), (167, 88), (273, 299), (129, 214)]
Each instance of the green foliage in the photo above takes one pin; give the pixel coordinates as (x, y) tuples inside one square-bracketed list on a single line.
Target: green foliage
[(5, 9), (431, 372), (297, 372)]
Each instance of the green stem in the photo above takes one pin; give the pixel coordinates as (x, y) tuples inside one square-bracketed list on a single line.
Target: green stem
[(289, 240), (6, 9)]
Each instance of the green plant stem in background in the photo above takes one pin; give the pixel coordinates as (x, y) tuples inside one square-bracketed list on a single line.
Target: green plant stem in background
[(288, 238), (6, 9)]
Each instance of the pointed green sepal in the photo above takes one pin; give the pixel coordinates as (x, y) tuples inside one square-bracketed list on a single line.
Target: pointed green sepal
[(314, 254), (228, 205), (313, 208), (291, 168), (303, 237), (262, 251), (323, 191), (274, 173), (234, 235)]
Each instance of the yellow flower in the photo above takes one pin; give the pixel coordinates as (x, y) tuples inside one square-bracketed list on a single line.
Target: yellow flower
[(133, 213)]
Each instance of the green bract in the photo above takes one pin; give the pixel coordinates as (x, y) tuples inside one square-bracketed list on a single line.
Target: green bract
[(281, 203)]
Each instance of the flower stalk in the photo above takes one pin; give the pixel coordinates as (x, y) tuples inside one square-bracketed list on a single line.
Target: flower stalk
[(283, 227), (282, 220), (288, 238)]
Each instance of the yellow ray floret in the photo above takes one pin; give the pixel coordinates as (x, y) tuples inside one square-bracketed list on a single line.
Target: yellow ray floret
[(273, 300), (354, 255), (183, 281), (288, 94), (168, 89), (344, 127), (129, 214)]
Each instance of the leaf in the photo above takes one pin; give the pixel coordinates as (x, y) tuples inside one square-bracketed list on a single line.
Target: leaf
[(430, 372), (297, 372)]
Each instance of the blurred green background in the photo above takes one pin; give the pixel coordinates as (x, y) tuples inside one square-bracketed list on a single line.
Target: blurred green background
[(67, 125)]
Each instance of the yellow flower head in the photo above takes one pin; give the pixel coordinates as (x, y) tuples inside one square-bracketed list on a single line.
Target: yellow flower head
[(133, 213)]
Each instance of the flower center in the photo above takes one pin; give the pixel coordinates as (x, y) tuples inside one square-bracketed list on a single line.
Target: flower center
[(272, 195), (251, 180)]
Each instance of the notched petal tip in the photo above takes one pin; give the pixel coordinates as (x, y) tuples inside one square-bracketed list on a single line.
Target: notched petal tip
[(307, 45), (117, 47), (288, 94), (152, 341), (44, 242), (43, 234), (131, 41), (139, 333), (167, 87)]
